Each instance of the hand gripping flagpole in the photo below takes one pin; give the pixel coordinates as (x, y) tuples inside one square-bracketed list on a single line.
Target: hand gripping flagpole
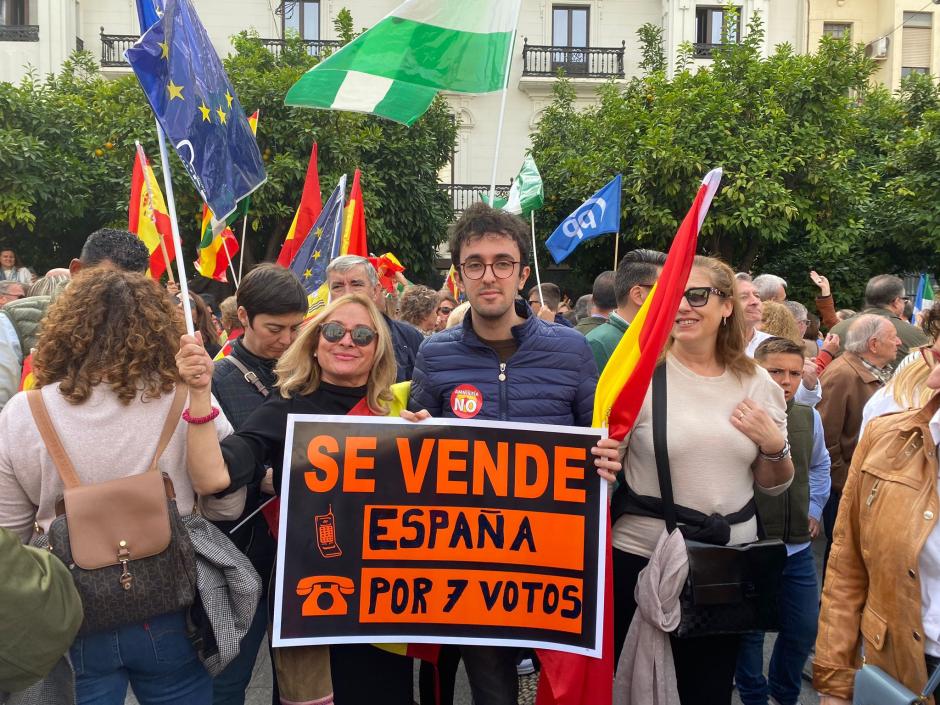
[(502, 102), (175, 228)]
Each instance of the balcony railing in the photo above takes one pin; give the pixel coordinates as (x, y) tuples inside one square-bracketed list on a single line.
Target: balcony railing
[(462, 195), (576, 62), (315, 47), (19, 33), (704, 51), (113, 47)]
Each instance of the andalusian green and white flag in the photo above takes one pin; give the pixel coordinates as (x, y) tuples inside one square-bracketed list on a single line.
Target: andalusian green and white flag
[(525, 194), (424, 46)]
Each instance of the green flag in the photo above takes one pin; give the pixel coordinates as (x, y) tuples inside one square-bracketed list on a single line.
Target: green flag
[(423, 46), (525, 194)]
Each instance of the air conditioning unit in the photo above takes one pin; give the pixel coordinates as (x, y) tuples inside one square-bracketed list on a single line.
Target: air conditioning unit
[(877, 49)]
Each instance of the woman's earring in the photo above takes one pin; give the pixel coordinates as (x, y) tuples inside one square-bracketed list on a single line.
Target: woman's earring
[(724, 320)]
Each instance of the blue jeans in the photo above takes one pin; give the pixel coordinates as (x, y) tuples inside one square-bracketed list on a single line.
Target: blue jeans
[(228, 688), (799, 611), (155, 657)]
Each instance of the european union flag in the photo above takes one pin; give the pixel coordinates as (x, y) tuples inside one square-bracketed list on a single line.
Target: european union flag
[(598, 215), (320, 246), (196, 106), (149, 12)]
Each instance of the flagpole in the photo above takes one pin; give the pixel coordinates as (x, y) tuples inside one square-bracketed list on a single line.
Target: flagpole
[(231, 268), (616, 249), (241, 260), (166, 260), (175, 228), (535, 258), (502, 104)]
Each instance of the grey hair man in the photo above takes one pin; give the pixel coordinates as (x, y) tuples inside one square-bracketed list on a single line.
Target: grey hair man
[(871, 344), (770, 287), (352, 274), (11, 290), (885, 297)]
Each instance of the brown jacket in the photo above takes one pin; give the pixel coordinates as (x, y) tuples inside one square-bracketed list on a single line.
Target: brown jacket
[(872, 595), (848, 386), (826, 306)]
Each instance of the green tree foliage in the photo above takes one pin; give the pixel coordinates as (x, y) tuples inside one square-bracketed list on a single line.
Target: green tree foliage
[(67, 149), (821, 170)]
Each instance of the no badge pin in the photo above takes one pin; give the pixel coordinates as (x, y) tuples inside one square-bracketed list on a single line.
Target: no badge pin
[(466, 401)]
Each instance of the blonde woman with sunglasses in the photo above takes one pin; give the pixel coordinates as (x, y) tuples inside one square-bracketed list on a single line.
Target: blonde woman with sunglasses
[(341, 363)]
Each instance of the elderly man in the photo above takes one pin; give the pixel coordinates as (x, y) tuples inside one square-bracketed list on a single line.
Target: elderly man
[(770, 287), (351, 274), (871, 345), (11, 291), (884, 296)]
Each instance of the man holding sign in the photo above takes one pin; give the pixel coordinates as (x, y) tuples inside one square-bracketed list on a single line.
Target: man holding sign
[(465, 372)]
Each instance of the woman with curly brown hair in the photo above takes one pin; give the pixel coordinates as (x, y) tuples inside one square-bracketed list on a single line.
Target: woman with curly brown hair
[(106, 371)]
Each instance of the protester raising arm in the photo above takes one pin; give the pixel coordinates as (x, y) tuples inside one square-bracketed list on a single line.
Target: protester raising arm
[(825, 304)]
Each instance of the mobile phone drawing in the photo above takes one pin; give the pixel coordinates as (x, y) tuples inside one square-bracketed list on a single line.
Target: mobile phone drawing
[(326, 534)]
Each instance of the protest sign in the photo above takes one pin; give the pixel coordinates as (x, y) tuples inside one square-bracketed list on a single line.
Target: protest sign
[(445, 531)]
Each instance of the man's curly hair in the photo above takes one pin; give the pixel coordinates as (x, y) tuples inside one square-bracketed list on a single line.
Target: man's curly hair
[(110, 327)]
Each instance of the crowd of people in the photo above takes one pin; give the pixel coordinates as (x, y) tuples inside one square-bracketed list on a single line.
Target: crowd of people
[(775, 419)]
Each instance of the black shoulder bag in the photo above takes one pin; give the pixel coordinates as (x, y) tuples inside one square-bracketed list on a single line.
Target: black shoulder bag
[(730, 589)]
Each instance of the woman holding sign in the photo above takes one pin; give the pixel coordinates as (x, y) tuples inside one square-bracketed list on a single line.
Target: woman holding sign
[(341, 363), (725, 434)]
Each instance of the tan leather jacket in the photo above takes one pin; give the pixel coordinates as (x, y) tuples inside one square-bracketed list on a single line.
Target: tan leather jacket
[(872, 595)]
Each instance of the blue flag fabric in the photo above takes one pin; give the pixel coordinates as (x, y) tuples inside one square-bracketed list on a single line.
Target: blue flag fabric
[(322, 243), (149, 13), (598, 215), (196, 107)]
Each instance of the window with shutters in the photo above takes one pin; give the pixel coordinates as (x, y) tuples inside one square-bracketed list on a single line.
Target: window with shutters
[(709, 23), (837, 30), (916, 39), (303, 16)]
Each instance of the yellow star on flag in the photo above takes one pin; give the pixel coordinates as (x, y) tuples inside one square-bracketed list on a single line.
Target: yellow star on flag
[(229, 98), (206, 112), (316, 255), (175, 91), (222, 114), (164, 50), (318, 232), (307, 274)]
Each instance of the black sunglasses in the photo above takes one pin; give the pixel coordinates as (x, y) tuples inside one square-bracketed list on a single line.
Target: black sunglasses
[(334, 332), (698, 295)]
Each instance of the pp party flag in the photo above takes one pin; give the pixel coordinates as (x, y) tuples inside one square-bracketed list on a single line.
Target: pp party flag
[(924, 299), (623, 383), (320, 246), (395, 69), (598, 215), (354, 223), (148, 217), (526, 193), (215, 250), (311, 203), (196, 107)]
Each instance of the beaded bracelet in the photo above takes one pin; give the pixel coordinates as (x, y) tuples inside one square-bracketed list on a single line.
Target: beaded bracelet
[(198, 420)]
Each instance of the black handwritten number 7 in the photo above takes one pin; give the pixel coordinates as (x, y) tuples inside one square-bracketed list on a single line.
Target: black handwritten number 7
[(457, 588)]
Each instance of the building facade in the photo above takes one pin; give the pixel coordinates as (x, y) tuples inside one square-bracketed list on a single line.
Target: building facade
[(593, 41)]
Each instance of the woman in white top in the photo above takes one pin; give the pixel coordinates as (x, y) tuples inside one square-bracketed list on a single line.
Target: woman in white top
[(11, 269), (726, 429), (106, 369)]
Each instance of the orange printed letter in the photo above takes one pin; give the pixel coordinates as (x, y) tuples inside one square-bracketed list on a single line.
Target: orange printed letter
[(415, 474), (565, 472), (447, 465), (497, 472), (354, 462), (523, 488), (325, 470)]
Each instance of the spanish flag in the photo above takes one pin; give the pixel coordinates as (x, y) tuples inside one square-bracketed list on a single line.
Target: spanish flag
[(28, 379), (148, 217), (215, 251), (624, 381), (354, 223), (450, 284), (311, 203)]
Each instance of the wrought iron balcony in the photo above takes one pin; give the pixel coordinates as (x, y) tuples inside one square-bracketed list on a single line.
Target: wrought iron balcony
[(113, 47), (462, 195), (703, 50), (19, 33), (576, 62), (315, 47)]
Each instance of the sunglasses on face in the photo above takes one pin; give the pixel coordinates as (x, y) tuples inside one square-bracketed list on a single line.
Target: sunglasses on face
[(930, 355), (334, 332), (698, 295)]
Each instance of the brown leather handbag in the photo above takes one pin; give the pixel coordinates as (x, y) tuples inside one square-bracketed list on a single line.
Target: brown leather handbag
[(123, 540)]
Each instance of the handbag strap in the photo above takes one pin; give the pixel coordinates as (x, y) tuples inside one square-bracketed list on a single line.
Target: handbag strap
[(660, 448), (50, 437), (170, 424), (249, 376)]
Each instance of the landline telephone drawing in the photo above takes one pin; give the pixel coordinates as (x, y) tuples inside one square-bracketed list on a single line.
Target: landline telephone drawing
[(325, 595), (326, 534)]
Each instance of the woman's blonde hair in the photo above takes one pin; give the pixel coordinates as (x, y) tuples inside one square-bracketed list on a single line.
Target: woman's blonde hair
[(778, 321), (114, 328), (907, 385), (730, 345), (298, 370)]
